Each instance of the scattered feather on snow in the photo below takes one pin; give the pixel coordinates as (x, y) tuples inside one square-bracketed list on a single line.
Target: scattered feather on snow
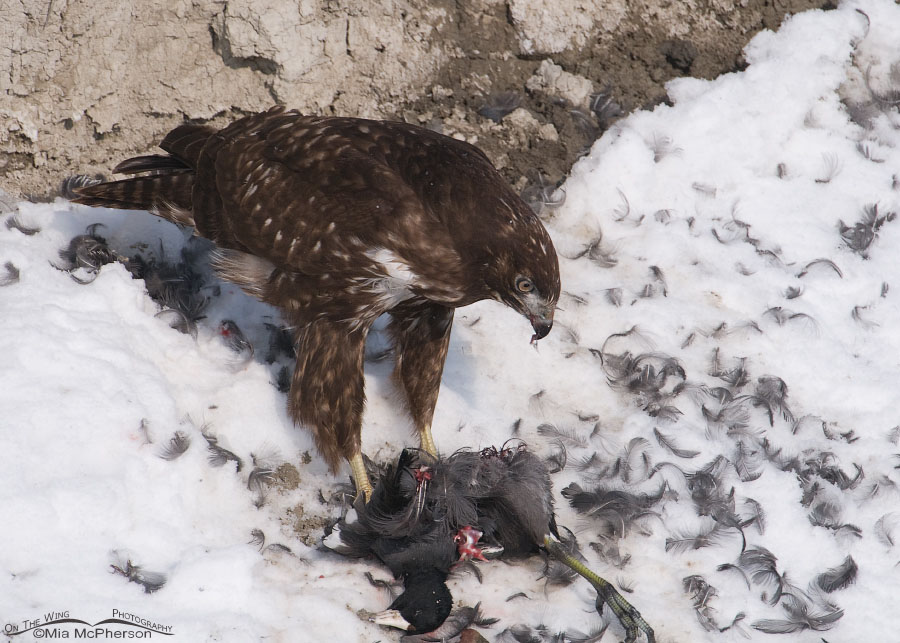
[(839, 577), (150, 581), (176, 447), (15, 223), (11, 276), (729, 201)]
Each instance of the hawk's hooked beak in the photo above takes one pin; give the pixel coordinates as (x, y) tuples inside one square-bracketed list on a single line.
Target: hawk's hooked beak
[(541, 326), (541, 321), (536, 309)]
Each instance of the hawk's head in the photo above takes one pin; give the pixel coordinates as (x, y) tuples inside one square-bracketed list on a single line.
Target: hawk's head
[(524, 275)]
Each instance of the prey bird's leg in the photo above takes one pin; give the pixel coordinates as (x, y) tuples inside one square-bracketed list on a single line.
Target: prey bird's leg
[(628, 616), (360, 477), (426, 441)]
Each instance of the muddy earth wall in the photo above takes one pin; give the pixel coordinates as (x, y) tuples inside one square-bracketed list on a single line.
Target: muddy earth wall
[(533, 82)]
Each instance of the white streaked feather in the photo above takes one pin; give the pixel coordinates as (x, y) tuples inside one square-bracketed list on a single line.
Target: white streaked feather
[(396, 285), (248, 271)]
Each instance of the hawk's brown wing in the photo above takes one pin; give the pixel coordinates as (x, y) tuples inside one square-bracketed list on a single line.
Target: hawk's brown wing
[(310, 196)]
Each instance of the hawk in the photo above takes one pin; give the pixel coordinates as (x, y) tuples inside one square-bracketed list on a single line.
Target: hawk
[(336, 221)]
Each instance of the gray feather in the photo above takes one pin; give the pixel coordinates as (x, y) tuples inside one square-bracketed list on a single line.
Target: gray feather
[(15, 223), (884, 528), (11, 276), (838, 577), (820, 262), (150, 581), (219, 455), (176, 447), (498, 105), (667, 443)]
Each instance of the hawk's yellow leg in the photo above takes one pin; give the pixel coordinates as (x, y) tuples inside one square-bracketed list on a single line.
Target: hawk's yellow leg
[(426, 441), (360, 477)]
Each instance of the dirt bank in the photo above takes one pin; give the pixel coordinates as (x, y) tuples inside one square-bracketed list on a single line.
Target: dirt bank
[(532, 82)]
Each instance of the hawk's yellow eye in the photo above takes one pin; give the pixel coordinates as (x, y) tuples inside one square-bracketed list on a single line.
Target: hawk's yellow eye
[(524, 285)]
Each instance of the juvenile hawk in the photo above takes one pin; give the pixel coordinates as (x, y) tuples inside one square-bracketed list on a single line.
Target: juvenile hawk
[(336, 221)]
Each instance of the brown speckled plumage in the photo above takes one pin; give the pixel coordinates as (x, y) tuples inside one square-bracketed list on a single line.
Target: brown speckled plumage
[(338, 220)]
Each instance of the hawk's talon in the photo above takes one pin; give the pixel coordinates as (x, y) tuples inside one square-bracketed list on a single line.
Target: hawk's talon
[(367, 490)]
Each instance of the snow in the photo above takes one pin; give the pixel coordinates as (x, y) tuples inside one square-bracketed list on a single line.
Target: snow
[(708, 211)]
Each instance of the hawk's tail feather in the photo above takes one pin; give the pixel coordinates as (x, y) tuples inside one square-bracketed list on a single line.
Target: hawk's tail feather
[(186, 142), (151, 162), (166, 195), (165, 189)]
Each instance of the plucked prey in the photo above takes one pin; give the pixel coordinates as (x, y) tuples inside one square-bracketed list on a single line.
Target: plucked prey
[(428, 514)]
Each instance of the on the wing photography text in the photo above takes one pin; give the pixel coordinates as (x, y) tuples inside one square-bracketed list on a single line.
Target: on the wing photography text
[(61, 625)]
